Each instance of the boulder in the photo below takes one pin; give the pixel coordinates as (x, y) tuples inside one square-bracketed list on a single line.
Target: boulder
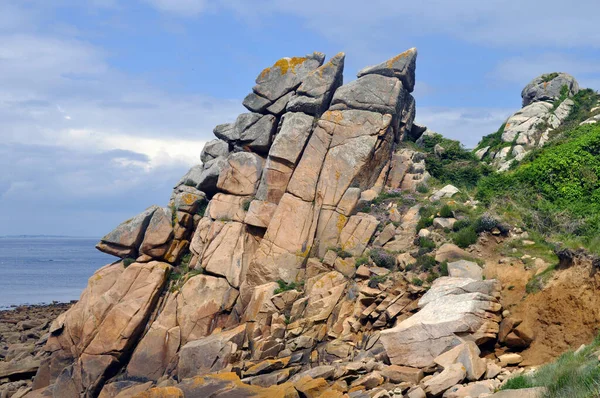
[(189, 315), (510, 359), (274, 182), (316, 91), (226, 132), (225, 207), (255, 103), (292, 136), (399, 374), (402, 67), (279, 106), (260, 213), (187, 199), (209, 354), (451, 307), (255, 131), (286, 75), (374, 93), (158, 234), (548, 87), (465, 269), (357, 233), (446, 192), (241, 174), (213, 149), (478, 389), (449, 377), (105, 323), (467, 354), (125, 240), (443, 223), (450, 252), (208, 178)]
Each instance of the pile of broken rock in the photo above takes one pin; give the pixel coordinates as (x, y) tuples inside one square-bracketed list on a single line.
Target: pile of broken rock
[(253, 282)]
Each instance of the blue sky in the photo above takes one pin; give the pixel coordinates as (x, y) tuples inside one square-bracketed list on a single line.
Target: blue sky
[(104, 104)]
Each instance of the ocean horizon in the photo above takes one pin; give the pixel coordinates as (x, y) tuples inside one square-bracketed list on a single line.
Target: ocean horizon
[(38, 269)]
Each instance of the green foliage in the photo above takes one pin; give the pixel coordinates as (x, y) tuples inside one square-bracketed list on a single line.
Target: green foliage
[(417, 281), (246, 205), (431, 277), (382, 258), (362, 260), (494, 141), (128, 261), (549, 77), (564, 94), (285, 286), (444, 268), (456, 165), (465, 237), (202, 208), (461, 224), (425, 263), (424, 222), (375, 280), (426, 243), (341, 252), (538, 282), (446, 211), (571, 375), (422, 188)]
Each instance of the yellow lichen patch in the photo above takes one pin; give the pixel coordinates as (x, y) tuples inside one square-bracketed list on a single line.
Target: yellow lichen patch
[(337, 174), (341, 223), (391, 62), (189, 199), (161, 392), (285, 65)]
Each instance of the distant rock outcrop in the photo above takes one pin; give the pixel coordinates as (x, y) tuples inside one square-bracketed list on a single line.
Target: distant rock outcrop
[(546, 104)]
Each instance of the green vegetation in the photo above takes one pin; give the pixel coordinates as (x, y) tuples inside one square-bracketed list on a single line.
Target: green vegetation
[(564, 94), (417, 281), (549, 77), (446, 211), (556, 191), (128, 261), (425, 263), (538, 282), (444, 268), (465, 237), (570, 376), (382, 258), (202, 208), (494, 141), (362, 260), (285, 286), (343, 254), (246, 204), (422, 188), (375, 280), (455, 165)]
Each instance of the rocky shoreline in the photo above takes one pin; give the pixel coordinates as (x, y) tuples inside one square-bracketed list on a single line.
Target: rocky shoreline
[(23, 333)]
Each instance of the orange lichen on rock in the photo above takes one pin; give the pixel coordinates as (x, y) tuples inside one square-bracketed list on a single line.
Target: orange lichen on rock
[(391, 62), (285, 65)]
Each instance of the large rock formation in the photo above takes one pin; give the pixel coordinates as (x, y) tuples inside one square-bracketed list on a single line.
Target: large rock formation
[(273, 272)]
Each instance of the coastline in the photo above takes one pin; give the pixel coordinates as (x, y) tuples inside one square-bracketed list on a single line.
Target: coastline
[(23, 333)]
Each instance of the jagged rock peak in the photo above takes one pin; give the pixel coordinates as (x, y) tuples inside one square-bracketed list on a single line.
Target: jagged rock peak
[(402, 66), (548, 87)]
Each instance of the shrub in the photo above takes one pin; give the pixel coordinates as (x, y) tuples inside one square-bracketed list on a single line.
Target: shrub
[(422, 188), (465, 237), (285, 286), (417, 281), (431, 277), (446, 212), (426, 243), (382, 258), (485, 223), (246, 205), (342, 253), (425, 263), (375, 280), (461, 224), (444, 268), (362, 260), (128, 261), (424, 222)]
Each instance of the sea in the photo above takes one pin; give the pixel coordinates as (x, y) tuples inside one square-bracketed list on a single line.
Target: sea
[(42, 270)]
